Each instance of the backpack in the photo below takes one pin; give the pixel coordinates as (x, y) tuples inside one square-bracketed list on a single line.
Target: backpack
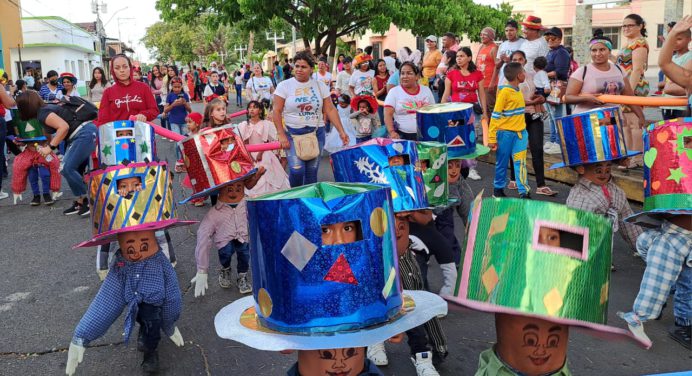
[(80, 109)]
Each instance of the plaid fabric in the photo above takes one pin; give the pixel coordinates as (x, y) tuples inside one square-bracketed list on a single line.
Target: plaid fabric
[(588, 196), (411, 279), (151, 281), (222, 224), (666, 251)]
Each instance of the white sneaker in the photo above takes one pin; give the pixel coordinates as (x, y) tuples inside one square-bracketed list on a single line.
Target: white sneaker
[(473, 174), (547, 146), (3, 195), (553, 149), (424, 364), (377, 354)]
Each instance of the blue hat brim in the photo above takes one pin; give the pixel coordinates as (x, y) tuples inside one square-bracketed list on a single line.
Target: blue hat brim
[(228, 325), (562, 164), (214, 189), (33, 139)]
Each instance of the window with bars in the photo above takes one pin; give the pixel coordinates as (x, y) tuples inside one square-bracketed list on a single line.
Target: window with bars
[(567, 36)]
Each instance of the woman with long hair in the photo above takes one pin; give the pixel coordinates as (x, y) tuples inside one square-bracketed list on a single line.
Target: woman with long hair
[(156, 84), (97, 85), (379, 85)]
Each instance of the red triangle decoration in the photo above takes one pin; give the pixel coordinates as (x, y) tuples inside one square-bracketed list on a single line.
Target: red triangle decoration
[(457, 141), (341, 272)]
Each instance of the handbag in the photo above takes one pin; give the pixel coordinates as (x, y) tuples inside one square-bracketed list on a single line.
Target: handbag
[(306, 145)]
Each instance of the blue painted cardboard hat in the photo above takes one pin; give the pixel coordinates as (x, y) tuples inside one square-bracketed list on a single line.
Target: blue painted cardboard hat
[(125, 141), (307, 294), (451, 124), (591, 137), (667, 171), (369, 162)]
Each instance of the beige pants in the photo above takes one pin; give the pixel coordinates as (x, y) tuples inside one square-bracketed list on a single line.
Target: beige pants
[(633, 134)]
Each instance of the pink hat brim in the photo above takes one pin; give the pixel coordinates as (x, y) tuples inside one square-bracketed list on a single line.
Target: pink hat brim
[(112, 235)]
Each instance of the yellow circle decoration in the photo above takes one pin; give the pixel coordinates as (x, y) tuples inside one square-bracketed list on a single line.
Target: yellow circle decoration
[(265, 302), (235, 166), (378, 221)]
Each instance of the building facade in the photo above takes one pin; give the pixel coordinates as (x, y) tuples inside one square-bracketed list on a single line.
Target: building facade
[(10, 33), (53, 43)]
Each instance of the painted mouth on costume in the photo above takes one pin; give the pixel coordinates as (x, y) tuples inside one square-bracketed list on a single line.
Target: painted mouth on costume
[(539, 360)]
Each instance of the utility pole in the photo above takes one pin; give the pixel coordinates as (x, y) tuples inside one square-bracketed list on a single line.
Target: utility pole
[(222, 54), (100, 32), (240, 50), (293, 31), (275, 38)]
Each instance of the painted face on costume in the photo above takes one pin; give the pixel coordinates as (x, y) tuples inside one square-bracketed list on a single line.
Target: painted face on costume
[(530, 345), (128, 185), (453, 170), (549, 236), (232, 193), (597, 173), (332, 362), (339, 233), (401, 231), (138, 245)]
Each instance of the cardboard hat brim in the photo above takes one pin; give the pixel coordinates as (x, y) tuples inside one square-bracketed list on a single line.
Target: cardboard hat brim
[(33, 139), (228, 325), (652, 218), (630, 153), (480, 151), (110, 236), (596, 330), (214, 189)]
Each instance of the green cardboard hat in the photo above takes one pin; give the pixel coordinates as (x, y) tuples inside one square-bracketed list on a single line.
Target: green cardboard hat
[(434, 155)]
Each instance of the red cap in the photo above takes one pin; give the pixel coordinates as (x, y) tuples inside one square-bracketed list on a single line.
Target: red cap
[(196, 117)]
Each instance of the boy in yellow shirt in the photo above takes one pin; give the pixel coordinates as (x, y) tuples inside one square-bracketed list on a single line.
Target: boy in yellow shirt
[(507, 136)]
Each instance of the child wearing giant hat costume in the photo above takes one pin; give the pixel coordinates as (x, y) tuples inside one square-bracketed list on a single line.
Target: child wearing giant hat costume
[(325, 275), (591, 142), (218, 163), (420, 179), (511, 244), (129, 203), (667, 248)]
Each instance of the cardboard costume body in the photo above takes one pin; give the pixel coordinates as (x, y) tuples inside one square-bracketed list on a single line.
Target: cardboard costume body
[(299, 243), (142, 282), (511, 243), (667, 248)]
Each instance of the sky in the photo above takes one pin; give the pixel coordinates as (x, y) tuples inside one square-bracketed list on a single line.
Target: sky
[(134, 16)]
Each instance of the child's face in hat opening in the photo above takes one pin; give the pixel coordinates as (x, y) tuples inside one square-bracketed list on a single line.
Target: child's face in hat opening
[(401, 232), (232, 193), (453, 170), (597, 173), (530, 345), (549, 236), (128, 185), (396, 160), (226, 142), (138, 245), (332, 362), (339, 233)]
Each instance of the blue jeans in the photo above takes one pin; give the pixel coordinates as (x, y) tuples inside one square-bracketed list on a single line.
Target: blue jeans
[(682, 303), (3, 134), (79, 149), (380, 113), (302, 172), (239, 95), (36, 172), (555, 113), (509, 144), (243, 250), (363, 139), (180, 129)]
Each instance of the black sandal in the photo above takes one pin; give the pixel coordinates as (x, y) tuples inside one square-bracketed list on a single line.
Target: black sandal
[(682, 335)]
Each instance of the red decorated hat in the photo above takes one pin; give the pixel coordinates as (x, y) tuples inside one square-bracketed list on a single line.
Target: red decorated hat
[(69, 76), (368, 98), (533, 22)]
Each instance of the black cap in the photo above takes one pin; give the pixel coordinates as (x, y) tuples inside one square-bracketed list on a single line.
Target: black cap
[(348, 59), (554, 31)]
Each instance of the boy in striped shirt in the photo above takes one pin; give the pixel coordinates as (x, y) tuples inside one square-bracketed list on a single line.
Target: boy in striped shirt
[(507, 136)]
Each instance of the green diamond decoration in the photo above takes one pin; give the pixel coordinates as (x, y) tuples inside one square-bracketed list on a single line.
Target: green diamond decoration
[(106, 150), (144, 148), (676, 174)]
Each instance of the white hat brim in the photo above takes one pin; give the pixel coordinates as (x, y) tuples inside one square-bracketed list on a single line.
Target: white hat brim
[(228, 326)]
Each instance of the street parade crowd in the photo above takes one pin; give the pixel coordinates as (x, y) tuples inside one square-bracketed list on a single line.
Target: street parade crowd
[(337, 269)]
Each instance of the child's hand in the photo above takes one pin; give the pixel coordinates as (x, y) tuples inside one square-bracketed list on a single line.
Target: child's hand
[(492, 146)]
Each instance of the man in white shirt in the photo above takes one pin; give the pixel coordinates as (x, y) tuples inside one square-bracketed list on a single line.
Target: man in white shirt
[(344, 76), (390, 61), (535, 45), (504, 52)]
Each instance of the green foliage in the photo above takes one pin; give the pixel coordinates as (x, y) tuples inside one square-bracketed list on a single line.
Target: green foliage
[(321, 22)]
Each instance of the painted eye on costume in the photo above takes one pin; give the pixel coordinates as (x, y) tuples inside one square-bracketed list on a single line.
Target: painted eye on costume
[(349, 352), (130, 250), (327, 354), (144, 247), (553, 340), (531, 339)]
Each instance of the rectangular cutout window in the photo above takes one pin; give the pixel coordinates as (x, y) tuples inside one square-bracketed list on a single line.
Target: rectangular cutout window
[(124, 133), (561, 239), (342, 233), (128, 184), (687, 142), (399, 160)]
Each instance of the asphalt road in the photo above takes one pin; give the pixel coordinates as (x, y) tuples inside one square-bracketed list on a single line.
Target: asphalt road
[(45, 287)]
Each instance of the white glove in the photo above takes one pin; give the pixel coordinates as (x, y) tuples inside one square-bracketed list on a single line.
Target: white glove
[(200, 282), (102, 274), (177, 338), (74, 356)]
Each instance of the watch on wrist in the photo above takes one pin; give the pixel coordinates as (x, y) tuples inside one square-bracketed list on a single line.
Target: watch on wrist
[(52, 147)]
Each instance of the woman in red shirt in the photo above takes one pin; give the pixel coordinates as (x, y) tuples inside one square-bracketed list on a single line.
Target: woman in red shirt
[(380, 85), (464, 83)]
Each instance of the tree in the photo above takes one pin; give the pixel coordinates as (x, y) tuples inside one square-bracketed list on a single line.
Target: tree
[(323, 22), (174, 41)]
